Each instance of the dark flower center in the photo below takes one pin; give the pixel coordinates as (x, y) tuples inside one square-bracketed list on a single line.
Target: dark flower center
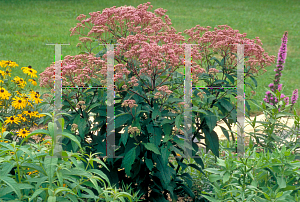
[(29, 112), (2, 91), (24, 132), (12, 118), (20, 101), (29, 67)]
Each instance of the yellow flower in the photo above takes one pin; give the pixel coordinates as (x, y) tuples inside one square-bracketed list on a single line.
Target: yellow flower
[(13, 64), (1, 80), (7, 72), (28, 70), (2, 73), (4, 94), (22, 117), (39, 116), (32, 81), (35, 96), (23, 133), (9, 63), (19, 81), (2, 130), (29, 113), (178, 155), (19, 103), (12, 119)]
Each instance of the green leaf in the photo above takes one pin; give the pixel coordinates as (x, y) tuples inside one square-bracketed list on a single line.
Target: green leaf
[(211, 120), (51, 129), (231, 79), (51, 199), (167, 128), (254, 81), (33, 166), (149, 163), (36, 193), (50, 163), (71, 137), (226, 104), (60, 189), (156, 112), (128, 160), (12, 184), (100, 173), (152, 147), (178, 120), (213, 139), (6, 167), (164, 172), (225, 132), (124, 136), (199, 162), (281, 182), (226, 177)]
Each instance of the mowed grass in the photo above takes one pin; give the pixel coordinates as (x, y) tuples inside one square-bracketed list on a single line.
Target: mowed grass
[(27, 26)]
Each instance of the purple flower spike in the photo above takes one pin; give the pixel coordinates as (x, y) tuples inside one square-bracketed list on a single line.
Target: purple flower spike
[(279, 87), (295, 96), (282, 96), (271, 85)]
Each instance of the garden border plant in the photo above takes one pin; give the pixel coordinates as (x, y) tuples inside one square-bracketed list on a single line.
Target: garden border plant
[(145, 107)]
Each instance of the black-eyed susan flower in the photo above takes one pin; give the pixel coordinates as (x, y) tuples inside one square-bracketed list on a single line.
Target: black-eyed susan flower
[(28, 70), (28, 113), (21, 83), (23, 133), (36, 114), (35, 96), (4, 94), (13, 64), (2, 73), (22, 118), (32, 81), (7, 72), (12, 119), (19, 103)]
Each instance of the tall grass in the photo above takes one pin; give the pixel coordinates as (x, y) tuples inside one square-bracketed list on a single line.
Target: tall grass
[(27, 26)]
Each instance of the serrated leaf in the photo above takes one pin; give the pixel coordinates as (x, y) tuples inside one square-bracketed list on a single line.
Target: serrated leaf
[(213, 139), (211, 120), (128, 160), (178, 120), (167, 128), (151, 147), (149, 163)]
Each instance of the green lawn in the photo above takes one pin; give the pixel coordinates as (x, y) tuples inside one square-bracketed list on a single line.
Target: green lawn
[(26, 26)]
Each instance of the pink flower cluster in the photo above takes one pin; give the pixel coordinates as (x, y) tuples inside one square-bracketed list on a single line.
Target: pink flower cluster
[(219, 41), (130, 103), (138, 32), (76, 71)]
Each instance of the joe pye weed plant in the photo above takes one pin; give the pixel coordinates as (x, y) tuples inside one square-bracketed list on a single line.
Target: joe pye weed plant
[(149, 93)]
